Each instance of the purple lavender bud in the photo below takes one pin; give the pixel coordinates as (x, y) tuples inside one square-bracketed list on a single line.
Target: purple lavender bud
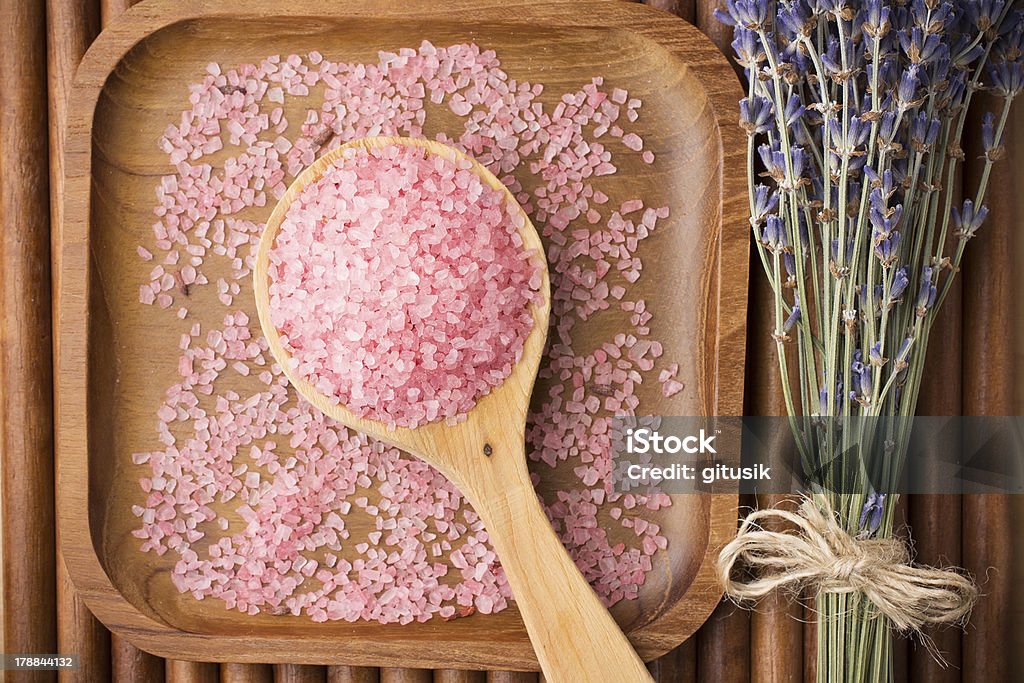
[(887, 247), (967, 221), (900, 282), (875, 354), (932, 16), (907, 91), (920, 47), (749, 51), (887, 127), (794, 19), (926, 294), (866, 377), (789, 261), (723, 16), (988, 131), (794, 110), (830, 58), (871, 514), (876, 18), (794, 317), (823, 402), (749, 14), (921, 130), (873, 178), (826, 6), (765, 202), (859, 131), (799, 158), (1007, 78), (774, 234), (984, 13), (1010, 44), (956, 87), (756, 115)]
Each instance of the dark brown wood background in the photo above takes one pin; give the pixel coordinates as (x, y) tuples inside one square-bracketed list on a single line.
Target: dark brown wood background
[(974, 370)]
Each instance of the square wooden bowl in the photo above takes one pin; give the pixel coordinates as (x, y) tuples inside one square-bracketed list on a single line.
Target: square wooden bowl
[(116, 356)]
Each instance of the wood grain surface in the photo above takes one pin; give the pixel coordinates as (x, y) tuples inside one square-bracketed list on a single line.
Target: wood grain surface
[(715, 319), (352, 674), (681, 663), (457, 676), (128, 663), (180, 671), (71, 25), (28, 578), (246, 673), (988, 389)]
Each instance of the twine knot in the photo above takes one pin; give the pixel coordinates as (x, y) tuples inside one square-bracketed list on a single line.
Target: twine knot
[(818, 553)]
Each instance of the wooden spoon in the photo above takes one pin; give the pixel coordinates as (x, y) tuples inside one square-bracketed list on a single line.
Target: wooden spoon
[(574, 636)]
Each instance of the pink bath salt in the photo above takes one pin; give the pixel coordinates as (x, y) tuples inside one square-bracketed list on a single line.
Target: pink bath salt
[(631, 205), (671, 387), (633, 141), (648, 156), (400, 286)]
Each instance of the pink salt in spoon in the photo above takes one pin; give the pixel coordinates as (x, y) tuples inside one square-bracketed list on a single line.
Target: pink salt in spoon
[(574, 636)]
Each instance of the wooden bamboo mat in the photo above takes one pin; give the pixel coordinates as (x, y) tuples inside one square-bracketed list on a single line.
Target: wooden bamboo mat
[(973, 371)]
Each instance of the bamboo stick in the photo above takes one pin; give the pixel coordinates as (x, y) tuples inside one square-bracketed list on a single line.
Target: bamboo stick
[(723, 643), (776, 634), (686, 9), (935, 522), (28, 594), (988, 390), (247, 673), (294, 673), (723, 646), (127, 661), (511, 677), (352, 674), (112, 9), (810, 643), (776, 626), (458, 676), (178, 671), (678, 666), (133, 665), (71, 26), (395, 675)]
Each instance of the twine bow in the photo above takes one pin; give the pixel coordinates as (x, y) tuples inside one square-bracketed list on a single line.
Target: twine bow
[(820, 554)]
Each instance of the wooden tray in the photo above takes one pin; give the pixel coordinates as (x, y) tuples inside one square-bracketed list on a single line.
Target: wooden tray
[(114, 361)]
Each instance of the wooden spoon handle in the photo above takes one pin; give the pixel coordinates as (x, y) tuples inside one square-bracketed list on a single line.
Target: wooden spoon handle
[(574, 635)]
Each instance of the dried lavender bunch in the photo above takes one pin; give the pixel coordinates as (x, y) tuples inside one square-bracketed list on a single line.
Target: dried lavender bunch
[(854, 115)]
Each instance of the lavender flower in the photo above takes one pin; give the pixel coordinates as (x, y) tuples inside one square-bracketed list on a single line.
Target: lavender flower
[(967, 221), (871, 514), (1007, 78), (756, 115), (854, 110)]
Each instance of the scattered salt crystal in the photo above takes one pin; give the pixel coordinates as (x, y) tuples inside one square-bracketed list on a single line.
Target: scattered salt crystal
[(284, 444)]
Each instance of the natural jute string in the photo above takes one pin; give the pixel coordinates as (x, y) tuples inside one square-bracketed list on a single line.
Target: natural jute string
[(819, 554)]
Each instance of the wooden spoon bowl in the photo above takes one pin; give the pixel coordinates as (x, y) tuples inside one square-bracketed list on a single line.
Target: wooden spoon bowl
[(575, 637)]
